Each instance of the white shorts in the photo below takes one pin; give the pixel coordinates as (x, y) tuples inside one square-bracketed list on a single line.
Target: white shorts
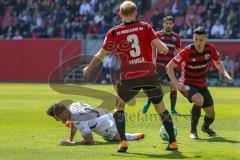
[(106, 127)]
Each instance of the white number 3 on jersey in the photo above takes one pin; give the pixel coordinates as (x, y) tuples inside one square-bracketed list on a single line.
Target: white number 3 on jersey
[(134, 39)]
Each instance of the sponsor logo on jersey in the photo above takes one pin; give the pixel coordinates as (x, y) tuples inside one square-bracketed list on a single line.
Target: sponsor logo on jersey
[(207, 56), (178, 58), (137, 60), (174, 38)]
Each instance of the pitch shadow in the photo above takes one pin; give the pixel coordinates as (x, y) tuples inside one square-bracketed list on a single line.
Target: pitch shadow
[(171, 155), (219, 139)]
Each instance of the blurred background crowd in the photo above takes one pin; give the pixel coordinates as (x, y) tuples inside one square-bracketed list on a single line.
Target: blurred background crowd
[(80, 18), (91, 19)]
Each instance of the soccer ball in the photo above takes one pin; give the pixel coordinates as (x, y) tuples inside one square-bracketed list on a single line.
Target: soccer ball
[(164, 135)]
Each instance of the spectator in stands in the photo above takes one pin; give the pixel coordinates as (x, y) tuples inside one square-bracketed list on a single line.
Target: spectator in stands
[(103, 29), (179, 8), (190, 18), (93, 29), (68, 30), (156, 20), (106, 69), (217, 30), (232, 17), (98, 18), (85, 8), (45, 18), (229, 65), (17, 35), (208, 15), (228, 33), (8, 35), (185, 32), (208, 27), (223, 15), (214, 6)]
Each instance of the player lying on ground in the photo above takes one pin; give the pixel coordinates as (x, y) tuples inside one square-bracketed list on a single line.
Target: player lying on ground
[(172, 40), (194, 61), (86, 119), (132, 41)]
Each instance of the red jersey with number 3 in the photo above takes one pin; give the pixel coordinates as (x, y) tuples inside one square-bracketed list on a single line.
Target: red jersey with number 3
[(132, 42), (194, 65)]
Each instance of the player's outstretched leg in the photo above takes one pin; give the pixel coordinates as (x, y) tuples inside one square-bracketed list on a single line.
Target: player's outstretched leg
[(120, 124), (208, 120), (173, 99), (134, 136), (167, 123), (119, 117), (146, 106), (195, 115), (198, 101)]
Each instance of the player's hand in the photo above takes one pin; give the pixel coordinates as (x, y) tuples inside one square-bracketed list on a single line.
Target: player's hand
[(86, 73), (66, 143), (164, 52), (180, 87), (227, 77)]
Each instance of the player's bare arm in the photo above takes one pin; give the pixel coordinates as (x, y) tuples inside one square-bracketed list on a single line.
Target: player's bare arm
[(170, 71), (88, 140), (220, 66), (97, 60), (162, 47), (73, 132)]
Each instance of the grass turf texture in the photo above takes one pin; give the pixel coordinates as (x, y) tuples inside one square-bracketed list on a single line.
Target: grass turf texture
[(27, 133)]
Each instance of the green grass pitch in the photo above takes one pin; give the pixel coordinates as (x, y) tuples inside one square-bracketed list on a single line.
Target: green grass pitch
[(27, 133)]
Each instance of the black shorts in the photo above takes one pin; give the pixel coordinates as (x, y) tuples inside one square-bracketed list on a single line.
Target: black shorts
[(128, 89), (191, 90), (162, 73)]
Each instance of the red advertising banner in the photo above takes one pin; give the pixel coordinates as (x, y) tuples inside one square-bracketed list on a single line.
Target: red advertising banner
[(34, 60)]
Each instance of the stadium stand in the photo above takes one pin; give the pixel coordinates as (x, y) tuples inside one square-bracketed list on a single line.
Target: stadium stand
[(90, 19), (60, 18), (220, 17), (81, 18)]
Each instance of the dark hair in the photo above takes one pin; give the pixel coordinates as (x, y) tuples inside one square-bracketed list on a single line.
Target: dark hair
[(50, 110), (56, 109), (200, 31), (168, 18)]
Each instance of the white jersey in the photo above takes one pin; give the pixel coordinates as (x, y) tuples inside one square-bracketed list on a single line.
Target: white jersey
[(87, 118), (82, 112)]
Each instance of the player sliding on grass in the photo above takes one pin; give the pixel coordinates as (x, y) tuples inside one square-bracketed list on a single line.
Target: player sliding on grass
[(194, 60), (86, 119), (132, 41), (172, 40)]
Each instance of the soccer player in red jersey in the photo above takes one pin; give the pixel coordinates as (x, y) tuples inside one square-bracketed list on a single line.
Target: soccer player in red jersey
[(132, 41), (172, 40), (194, 60)]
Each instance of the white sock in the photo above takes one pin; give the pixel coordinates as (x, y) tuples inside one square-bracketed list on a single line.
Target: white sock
[(131, 137)]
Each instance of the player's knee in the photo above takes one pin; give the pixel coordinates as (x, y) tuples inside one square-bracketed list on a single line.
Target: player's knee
[(213, 114), (120, 106), (119, 116), (210, 112), (198, 99), (156, 100)]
